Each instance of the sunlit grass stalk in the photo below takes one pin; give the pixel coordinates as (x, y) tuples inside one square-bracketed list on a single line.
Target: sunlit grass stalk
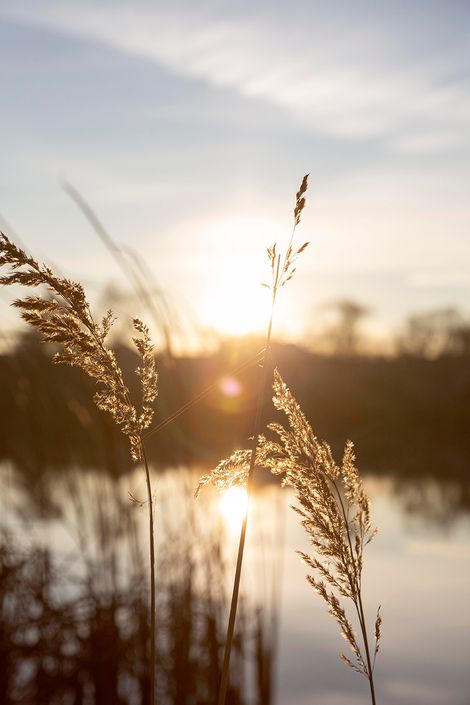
[(335, 513), (332, 503), (64, 318), (282, 270), (241, 546)]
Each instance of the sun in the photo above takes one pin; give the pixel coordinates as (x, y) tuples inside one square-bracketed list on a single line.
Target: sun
[(237, 303), (234, 506), (238, 312)]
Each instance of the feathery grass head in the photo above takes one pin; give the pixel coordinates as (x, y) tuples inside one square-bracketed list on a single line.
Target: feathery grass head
[(333, 508), (64, 318), (282, 268), (232, 471), (300, 199), (335, 512)]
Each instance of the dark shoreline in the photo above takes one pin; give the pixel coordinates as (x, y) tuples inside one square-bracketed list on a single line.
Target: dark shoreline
[(408, 417)]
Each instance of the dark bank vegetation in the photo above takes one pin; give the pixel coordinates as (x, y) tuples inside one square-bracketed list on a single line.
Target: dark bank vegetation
[(409, 415)]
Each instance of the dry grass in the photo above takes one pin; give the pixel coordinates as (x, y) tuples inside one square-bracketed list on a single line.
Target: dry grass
[(282, 270), (64, 318), (334, 511)]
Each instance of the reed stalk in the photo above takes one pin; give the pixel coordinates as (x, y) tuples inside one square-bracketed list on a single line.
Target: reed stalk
[(282, 270), (132, 266), (335, 512), (241, 545), (153, 582), (332, 503), (64, 318)]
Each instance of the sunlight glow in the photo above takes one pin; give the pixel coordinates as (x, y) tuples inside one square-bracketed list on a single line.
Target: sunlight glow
[(230, 386), (238, 245), (234, 506)]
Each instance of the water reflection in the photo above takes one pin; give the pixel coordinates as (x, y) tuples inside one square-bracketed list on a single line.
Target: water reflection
[(419, 572), (233, 506), (433, 502), (74, 598)]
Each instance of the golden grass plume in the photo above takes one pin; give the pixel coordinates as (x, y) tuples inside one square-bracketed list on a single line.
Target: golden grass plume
[(64, 318), (334, 511)]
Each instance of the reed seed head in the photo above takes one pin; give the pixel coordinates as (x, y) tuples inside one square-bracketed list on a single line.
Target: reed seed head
[(331, 503), (282, 268), (64, 318)]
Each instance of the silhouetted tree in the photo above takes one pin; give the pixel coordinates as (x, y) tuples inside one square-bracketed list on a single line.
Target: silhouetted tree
[(434, 333), (343, 337)]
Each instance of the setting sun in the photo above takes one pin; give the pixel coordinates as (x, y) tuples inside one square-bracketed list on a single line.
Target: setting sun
[(238, 248)]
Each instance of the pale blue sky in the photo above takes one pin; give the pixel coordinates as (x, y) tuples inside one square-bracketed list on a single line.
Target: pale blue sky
[(189, 126)]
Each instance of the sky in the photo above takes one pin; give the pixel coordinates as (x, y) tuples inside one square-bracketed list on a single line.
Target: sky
[(189, 126)]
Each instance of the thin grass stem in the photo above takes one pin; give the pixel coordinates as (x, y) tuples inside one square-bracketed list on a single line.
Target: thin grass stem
[(153, 605), (362, 622), (241, 546), (356, 591), (282, 270)]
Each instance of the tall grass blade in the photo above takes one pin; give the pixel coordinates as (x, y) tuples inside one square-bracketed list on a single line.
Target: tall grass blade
[(282, 270)]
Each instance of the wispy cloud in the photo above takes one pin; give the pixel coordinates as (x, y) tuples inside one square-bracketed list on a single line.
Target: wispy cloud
[(345, 74)]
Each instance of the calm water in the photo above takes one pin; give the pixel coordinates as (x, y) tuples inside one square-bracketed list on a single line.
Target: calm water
[(419, 571), (417, 568)]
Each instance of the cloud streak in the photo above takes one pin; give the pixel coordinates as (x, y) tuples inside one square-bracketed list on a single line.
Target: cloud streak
[(350, 77)]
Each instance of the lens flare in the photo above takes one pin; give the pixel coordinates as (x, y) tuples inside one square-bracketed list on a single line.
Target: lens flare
[(230, 386)]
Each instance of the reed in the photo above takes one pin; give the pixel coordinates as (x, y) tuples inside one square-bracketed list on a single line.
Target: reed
[(282, 270), (64, 318), (332, 503), (334, 511)]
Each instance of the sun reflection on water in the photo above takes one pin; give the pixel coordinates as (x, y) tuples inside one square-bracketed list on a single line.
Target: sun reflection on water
[(233, 506)]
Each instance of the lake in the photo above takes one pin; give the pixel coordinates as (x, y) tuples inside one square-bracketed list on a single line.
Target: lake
[(417, 568)]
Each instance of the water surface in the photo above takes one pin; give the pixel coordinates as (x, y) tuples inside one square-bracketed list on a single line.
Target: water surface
[(417, 569)]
